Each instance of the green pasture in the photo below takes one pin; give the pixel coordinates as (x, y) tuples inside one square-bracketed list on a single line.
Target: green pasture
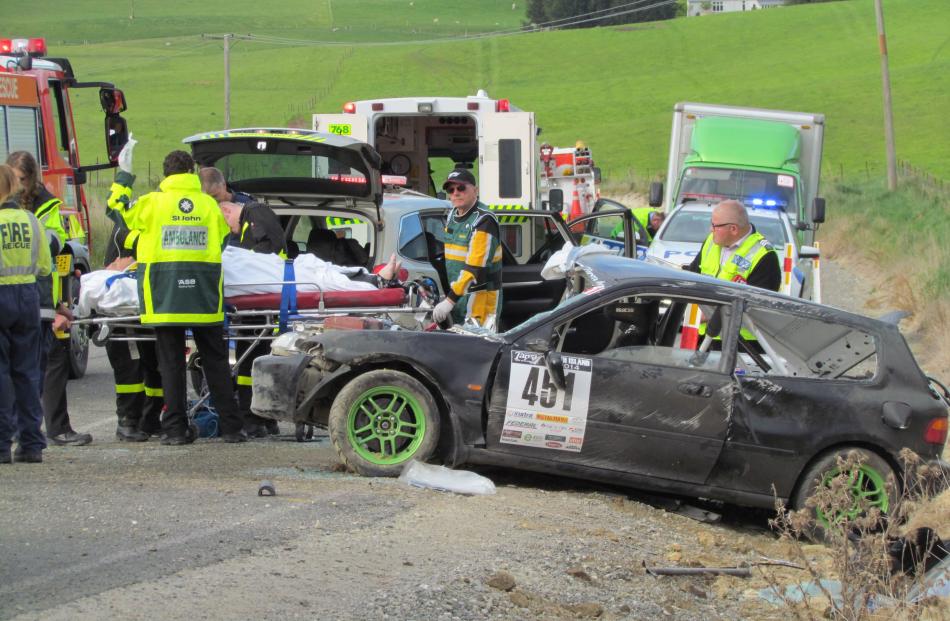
[(612, 87)]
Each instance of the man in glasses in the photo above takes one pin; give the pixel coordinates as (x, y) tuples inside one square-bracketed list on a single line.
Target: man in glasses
[(736, 252), (472, 256)]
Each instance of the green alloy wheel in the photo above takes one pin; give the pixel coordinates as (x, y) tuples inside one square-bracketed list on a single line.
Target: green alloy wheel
[(381, 420), (867, 483)]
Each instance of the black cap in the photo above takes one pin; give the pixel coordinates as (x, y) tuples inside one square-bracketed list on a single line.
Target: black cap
[(460, 175)]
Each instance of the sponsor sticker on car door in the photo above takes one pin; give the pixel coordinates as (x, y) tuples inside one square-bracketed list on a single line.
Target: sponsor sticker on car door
[(539, 413)]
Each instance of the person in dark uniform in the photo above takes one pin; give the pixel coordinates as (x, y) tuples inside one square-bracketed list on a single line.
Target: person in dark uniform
[(24, 255), (139, 398), (34, 197), (214, 183), (255, 227)]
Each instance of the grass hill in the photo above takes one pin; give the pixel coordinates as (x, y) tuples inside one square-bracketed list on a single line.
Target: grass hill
[(613, 87)]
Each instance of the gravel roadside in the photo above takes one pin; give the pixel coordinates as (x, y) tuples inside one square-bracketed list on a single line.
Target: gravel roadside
[(143, 531)]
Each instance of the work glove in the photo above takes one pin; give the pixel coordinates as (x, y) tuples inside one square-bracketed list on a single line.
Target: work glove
[(442, 310), (125, 155)]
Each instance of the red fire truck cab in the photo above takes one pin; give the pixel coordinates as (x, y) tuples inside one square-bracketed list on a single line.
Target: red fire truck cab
[(36, 116)]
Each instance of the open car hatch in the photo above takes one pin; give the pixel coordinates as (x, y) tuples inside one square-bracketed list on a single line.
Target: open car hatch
[(292, 163)]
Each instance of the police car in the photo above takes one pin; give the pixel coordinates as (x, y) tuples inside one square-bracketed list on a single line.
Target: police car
[(682, 234)]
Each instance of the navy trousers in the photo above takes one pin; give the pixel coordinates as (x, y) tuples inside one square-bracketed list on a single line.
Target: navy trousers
[(20, 351)]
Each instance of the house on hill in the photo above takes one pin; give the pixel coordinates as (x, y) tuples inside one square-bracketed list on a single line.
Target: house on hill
[(705, 7)]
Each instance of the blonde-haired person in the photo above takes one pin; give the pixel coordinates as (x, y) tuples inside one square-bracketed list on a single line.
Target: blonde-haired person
[(24, 255), (34, 197)]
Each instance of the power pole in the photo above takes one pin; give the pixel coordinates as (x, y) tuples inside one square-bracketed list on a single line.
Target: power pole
[(888, 108), (227, 81), (227, 38)]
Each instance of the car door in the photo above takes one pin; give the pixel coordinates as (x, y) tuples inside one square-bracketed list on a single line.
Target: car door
[(612, 225), (529, 238), (641, 409)]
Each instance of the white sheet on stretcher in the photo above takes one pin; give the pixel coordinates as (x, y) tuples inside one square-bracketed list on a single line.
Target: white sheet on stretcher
[(245, 272)]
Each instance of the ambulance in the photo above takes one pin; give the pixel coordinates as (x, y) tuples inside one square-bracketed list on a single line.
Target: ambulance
[(423, 138), (36, 115)]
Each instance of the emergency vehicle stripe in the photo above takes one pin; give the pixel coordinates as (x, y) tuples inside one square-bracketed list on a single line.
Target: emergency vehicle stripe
[(243, 380), (334, 221), (154, 392), (506, 219), (129, 389)]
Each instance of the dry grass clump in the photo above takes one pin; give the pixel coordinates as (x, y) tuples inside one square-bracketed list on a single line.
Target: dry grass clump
[(869, 556)]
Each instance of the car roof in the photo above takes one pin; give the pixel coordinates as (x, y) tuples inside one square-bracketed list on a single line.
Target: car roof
[(610, 271)]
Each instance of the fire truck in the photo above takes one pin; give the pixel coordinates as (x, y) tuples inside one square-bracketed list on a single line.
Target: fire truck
[(36, 116), (423, 138)]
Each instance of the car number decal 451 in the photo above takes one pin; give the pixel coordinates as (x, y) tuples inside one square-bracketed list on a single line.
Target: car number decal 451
[(541, 414)]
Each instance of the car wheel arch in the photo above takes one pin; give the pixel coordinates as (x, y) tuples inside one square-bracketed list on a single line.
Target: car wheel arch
[(845, 445), (447, 444)]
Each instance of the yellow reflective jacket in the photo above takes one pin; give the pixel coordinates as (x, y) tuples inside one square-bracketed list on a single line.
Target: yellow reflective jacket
[(178, 235)]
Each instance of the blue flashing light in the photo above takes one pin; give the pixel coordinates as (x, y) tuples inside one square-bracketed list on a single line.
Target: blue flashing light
[(766, 203)]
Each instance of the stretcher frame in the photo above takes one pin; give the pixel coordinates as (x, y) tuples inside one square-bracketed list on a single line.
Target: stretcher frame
[(128, 328)]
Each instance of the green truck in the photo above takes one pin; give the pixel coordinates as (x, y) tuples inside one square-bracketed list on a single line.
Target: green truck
[(764, 158)]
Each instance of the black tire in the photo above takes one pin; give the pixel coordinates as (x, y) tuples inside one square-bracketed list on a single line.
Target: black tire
[(876, 478), (78, 339), (389, 440)]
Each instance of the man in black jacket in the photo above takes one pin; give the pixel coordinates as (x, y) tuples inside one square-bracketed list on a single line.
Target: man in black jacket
[(255, 227)]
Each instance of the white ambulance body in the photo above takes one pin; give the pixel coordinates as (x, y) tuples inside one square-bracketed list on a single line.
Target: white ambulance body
[(423, 138)]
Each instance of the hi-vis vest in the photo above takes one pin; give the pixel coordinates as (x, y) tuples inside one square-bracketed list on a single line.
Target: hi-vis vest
[(24, 251), (642, 214), (180, 233), (739, 266), (46, 209)]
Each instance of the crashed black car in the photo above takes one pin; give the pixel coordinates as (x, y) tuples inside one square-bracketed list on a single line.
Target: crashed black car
[(602, 388)]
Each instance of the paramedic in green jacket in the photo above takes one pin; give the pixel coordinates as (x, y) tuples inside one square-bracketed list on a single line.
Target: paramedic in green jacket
[(472, 256)]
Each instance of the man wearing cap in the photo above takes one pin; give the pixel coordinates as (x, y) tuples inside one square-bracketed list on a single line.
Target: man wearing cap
[(472, 256)]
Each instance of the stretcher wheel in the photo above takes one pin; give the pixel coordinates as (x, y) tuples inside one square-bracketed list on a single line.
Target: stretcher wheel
[(303, 432)]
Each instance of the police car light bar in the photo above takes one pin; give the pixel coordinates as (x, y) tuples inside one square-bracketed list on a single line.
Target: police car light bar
[(766, 203)]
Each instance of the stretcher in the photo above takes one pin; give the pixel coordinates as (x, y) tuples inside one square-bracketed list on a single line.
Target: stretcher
[(262, 317)]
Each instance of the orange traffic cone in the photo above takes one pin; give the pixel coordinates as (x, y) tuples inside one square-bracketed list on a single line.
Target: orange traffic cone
[(576, 211)]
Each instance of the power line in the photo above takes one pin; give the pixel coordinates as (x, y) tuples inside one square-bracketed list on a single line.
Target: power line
[(553, 24)]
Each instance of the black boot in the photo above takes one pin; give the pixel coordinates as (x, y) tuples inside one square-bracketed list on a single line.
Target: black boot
[(130, 433)]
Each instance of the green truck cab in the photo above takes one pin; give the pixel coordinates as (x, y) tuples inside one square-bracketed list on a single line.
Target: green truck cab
[(763, 158)]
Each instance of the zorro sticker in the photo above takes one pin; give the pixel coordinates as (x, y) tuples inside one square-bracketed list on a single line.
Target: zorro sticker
[(535, 402)]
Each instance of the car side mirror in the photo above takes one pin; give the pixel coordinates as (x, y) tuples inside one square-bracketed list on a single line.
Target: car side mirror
[(656, 194), (117, 134), (597, 174), (555, 366), (818, 210), (808, 252), (556, 199)]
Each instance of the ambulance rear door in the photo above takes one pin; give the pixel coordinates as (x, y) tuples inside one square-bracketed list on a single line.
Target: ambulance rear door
[(354, 126), (506, 152)]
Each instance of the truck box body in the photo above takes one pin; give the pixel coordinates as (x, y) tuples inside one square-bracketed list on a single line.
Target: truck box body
[(748, 153)]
